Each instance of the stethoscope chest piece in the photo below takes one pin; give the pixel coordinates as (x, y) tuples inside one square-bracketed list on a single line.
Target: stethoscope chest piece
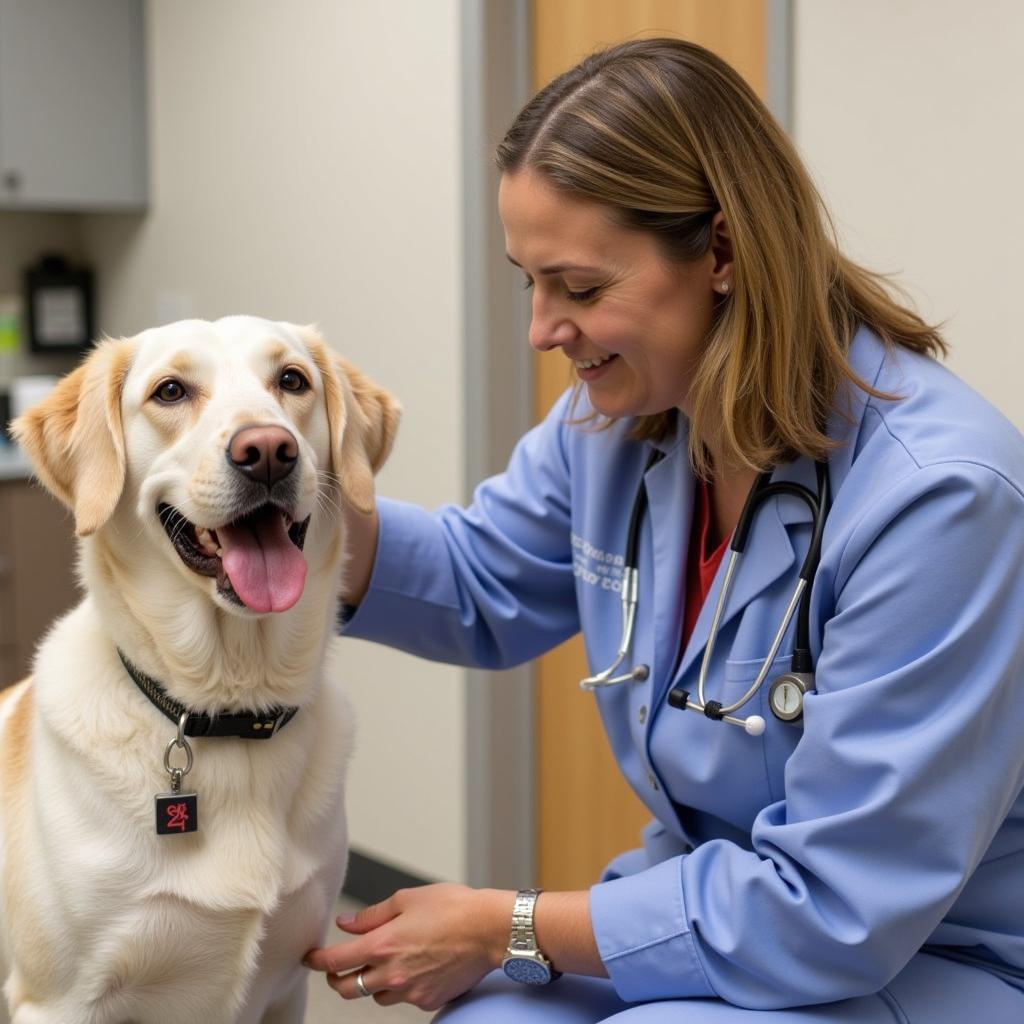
[(786, 696)]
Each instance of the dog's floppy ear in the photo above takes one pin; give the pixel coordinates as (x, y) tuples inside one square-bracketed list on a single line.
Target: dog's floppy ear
[(363, 420), (74, 439)]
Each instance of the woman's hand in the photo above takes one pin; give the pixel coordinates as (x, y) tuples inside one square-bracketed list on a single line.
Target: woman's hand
[(361, 535), (423, 946)]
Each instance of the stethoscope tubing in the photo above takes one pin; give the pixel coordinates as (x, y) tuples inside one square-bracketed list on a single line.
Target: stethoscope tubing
[(765, 665), (762, 489), (630, 589), (629, 594)]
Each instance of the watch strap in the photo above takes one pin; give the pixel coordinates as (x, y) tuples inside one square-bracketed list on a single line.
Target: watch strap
[(522, 936)]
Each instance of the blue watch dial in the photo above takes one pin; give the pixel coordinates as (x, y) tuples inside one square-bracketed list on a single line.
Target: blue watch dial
[(526, 971)]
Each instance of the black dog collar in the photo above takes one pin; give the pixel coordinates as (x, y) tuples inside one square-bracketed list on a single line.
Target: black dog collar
[(248, 725)]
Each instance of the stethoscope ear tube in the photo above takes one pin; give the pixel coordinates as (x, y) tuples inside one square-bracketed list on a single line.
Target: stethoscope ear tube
[(679, 698), (629, 595), (630, 590)]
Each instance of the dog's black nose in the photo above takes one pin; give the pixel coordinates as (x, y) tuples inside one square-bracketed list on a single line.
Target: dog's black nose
[(266, 454)]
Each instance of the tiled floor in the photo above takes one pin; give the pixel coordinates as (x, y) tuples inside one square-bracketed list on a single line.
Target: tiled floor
[(325, 1006)]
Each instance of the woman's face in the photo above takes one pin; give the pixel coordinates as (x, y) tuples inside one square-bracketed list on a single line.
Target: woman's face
[(632, 322)]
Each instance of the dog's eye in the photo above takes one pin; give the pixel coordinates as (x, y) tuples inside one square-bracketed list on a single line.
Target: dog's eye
[(292, 380), (170, 391)]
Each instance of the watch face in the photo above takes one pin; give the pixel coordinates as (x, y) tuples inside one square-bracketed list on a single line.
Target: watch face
[(526, 971)]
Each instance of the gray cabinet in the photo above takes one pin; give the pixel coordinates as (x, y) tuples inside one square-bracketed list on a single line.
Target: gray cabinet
[(72, 105), (37, 572)]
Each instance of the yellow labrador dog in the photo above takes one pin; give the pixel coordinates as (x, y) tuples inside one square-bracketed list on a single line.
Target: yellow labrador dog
[(171, 807)]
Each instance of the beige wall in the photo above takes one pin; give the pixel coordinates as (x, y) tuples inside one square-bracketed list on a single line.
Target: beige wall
[(909, 115), (305, 162)]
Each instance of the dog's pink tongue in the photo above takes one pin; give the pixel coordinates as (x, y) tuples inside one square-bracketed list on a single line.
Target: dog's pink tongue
[(266, 569)]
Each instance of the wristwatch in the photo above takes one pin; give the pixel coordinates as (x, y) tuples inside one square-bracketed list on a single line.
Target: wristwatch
[(524, 962)]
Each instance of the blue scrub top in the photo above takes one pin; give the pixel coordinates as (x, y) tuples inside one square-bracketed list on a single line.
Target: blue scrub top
[(811, 863)]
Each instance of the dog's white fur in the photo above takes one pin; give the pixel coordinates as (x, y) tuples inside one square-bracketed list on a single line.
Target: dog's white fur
[(102, 921)]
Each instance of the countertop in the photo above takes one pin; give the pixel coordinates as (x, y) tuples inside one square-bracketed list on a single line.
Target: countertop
[(13, 464)]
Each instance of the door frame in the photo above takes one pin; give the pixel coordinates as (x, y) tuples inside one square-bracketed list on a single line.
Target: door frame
[(498, 396)]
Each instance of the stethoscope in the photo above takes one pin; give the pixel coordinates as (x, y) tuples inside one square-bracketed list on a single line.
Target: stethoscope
[(786, 695)]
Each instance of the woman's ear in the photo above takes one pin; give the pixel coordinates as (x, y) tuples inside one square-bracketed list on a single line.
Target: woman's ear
[(363, 421), (721, 252), (74, 438)]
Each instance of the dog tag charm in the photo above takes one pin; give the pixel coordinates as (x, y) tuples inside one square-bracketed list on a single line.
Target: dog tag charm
[(176, 812)]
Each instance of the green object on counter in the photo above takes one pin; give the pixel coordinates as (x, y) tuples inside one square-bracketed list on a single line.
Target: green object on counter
[(10, 333)]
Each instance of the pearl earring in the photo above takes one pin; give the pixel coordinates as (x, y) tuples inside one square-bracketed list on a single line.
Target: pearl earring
[(725, 286)]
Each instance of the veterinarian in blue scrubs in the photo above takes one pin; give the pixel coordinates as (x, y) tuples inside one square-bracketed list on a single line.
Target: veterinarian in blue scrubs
[(843, 847)]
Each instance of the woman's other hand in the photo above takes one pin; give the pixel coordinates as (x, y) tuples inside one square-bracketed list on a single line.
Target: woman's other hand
[(361, 533), (424, 946)]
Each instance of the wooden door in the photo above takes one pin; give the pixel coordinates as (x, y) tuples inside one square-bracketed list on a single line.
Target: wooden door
[(586, 812)]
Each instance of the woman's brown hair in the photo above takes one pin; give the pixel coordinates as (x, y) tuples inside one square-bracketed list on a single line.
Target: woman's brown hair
[(665, 134)]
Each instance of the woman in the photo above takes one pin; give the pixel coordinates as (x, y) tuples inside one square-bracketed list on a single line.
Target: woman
[(857, 857)]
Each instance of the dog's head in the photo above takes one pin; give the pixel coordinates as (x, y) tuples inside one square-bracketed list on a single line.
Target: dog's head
[(221, 440)]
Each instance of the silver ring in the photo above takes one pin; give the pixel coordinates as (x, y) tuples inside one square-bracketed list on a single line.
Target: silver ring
[(363, 990), (187, 747)]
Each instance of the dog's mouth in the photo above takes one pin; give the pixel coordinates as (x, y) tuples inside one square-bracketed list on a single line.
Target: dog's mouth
[(256, 559)]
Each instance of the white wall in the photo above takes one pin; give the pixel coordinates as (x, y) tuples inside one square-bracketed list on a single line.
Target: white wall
[(306, 166), (909, 114)]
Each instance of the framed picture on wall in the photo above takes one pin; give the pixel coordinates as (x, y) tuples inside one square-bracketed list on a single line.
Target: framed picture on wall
[(58, 306)]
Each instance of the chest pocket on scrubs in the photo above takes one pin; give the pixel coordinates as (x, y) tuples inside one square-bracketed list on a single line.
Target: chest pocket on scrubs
[(780, 738), (716, 770)]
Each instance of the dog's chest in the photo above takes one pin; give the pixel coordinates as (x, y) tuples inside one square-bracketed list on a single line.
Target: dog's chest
[(252, 847), (208, 927), (171, 960)]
